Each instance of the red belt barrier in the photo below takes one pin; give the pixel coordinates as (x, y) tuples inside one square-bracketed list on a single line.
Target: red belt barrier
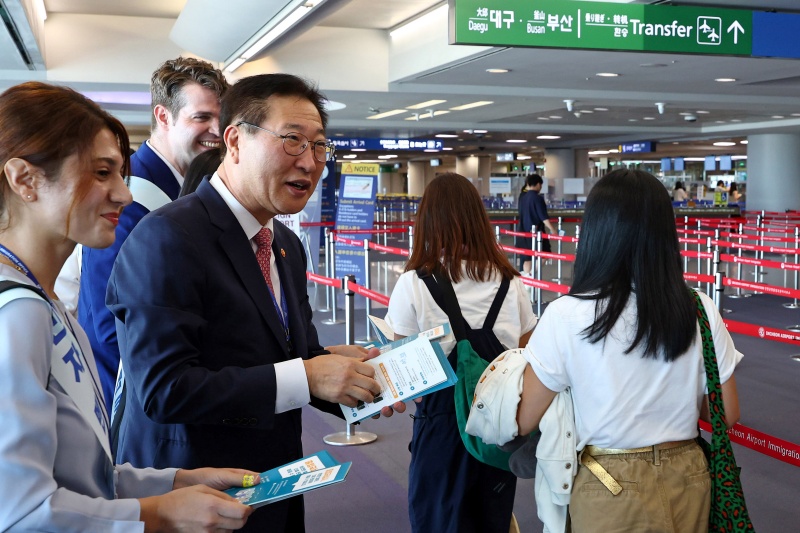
[(761, 442), (546, 285), (516, 233), (705, 233), (761, 287), (763, 332), (701, 255), (759, 262), (368, 293), (683, 240), (388, 249), (521, 251), (755, 248), (369, 231), (322, 280), (499, 222), (701, 278), (315, 224), (555, 256), (765, 238), (351, 242)]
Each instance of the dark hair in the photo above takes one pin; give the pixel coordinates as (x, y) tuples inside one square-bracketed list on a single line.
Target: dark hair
[(247, 100), (201, 166), (170, 77), (733, 186), (720, 183), (452, 226), (629, 244), (44, 124), (533, 180), (678, 185)]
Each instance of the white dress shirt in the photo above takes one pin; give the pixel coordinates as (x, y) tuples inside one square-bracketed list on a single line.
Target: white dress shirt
[(290, 376)]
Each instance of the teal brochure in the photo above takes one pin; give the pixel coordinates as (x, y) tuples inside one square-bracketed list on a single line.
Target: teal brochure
[(292, 479), (406, 369)]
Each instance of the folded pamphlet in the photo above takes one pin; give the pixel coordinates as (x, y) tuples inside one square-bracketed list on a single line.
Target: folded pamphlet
[(406, 369), (292, 479)]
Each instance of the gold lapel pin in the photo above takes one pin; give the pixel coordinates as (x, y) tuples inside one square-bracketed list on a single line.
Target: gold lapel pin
[(283, 252)]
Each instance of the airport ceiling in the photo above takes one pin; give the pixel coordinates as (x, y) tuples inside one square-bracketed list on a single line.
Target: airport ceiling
[(528, 100)]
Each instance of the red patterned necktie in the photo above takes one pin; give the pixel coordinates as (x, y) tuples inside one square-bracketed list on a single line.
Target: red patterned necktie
[(263, 240)]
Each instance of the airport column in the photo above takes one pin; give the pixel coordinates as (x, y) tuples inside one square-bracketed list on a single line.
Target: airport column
[(773, 172), (476, 168), (559, 164), (416, 177)]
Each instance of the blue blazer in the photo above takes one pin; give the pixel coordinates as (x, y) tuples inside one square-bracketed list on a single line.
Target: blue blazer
[(94, 317), (199, 335)]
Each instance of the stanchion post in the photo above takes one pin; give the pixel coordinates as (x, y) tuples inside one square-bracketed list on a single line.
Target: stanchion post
[(328, 263), (685, 245), (410, 240), (539, 275), (367, 277), (699, 261), (709, 250), (349, 437), (719, 289), (557, 279), (385, 226), (739, 293), (349, 310), (794, 304), (334, 318)]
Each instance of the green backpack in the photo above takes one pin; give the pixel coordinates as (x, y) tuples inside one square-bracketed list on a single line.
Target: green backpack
[(469, 363)]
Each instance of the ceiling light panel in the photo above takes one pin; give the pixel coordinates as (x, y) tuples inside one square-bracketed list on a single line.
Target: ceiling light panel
[(429, 103), (471, 106), (387, 114)]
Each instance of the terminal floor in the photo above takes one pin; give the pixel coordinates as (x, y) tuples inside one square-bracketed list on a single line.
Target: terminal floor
[(374, 497)]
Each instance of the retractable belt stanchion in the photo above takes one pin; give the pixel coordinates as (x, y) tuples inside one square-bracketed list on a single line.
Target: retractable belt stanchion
[(328, 262), (368, 305), (739, 293), (402, 219), (708, 261), (410, 243), (539, 275), (759, 271), (719, 289), (699, 261), (793, 304), (349, 437), (333, 307), (385, 226), (686, 246), (557, 279)]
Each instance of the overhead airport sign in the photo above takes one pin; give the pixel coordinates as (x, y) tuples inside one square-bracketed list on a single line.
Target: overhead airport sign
[(631, 27), (387, 144), (637, 147)]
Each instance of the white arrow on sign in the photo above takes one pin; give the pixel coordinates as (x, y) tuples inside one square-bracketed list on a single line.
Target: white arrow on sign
[(735, 28)]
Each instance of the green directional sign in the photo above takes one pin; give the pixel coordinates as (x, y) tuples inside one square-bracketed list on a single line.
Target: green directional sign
[(601, 26)]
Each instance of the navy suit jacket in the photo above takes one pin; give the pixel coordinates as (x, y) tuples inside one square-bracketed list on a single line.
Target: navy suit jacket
[(94, 317), (199, 335)]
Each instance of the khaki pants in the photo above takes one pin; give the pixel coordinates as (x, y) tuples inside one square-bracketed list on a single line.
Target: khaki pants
[(673, 497)]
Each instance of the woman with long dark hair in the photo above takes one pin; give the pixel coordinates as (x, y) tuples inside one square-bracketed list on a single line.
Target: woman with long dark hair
[(626, 341), (449, 490), (62, 159)]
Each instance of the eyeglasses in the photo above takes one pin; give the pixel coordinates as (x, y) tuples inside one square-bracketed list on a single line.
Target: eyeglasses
[(295, 143)]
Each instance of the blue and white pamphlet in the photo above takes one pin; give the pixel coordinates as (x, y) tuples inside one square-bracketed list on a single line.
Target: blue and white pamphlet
[(292, 479), (406, 369)]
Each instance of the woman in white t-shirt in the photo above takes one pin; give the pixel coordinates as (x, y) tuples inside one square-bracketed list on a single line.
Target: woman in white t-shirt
[(626, 341), (449, 490)]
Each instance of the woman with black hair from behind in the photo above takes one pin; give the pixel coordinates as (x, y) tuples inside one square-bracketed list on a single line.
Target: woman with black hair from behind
[(626, 341)]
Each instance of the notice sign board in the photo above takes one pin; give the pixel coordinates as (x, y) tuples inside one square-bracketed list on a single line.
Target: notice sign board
[(356, 210), (613, 26)]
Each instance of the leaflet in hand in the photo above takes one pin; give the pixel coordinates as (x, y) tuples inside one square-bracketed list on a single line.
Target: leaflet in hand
[(385, 333), (409, 368), (309, 473)]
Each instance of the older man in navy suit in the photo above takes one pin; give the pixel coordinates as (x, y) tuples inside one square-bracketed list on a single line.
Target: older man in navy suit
[(213, 319)]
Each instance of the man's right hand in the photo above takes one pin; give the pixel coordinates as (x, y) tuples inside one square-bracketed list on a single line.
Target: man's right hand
[(341, 379)]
